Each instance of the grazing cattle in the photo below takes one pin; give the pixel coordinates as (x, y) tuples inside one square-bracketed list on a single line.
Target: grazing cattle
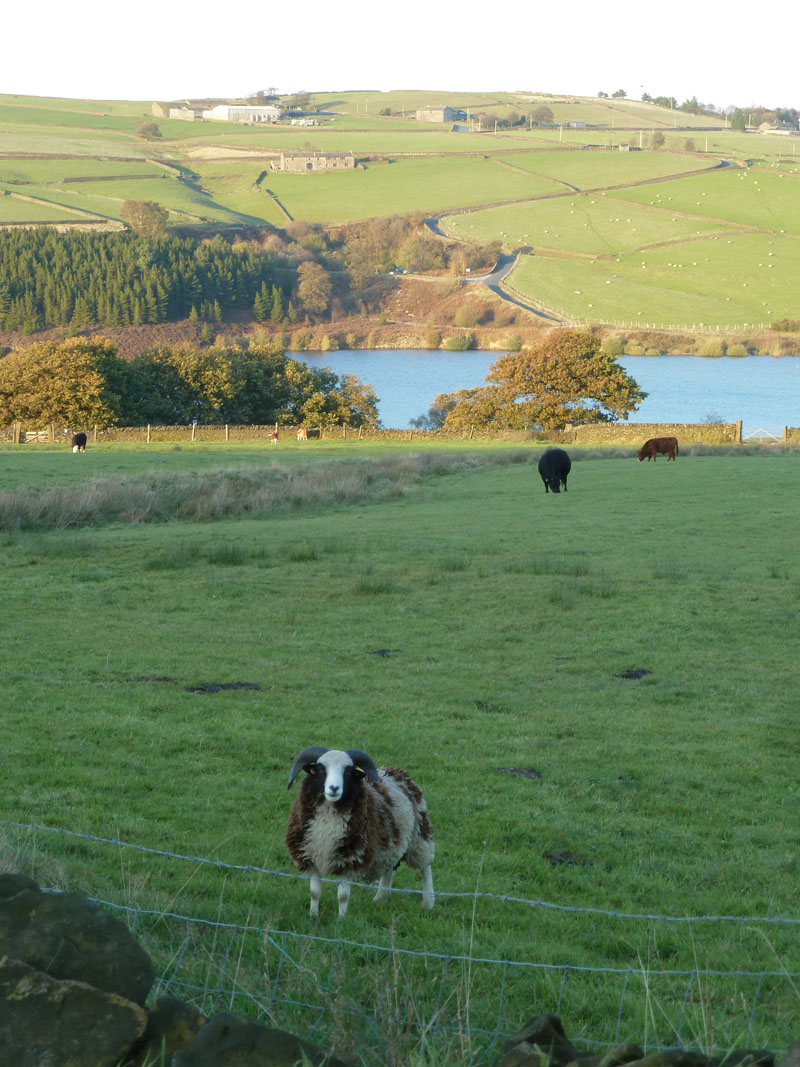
[(302, 434), (79, 442), (554, 466), (274, 437), (655, 445)]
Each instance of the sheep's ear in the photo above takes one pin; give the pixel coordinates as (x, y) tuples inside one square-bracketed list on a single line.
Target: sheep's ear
[(304, 760), (362, 762)]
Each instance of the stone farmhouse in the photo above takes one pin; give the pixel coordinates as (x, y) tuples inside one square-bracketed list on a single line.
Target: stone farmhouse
[(304, 162), (785, 129), (440, 114)]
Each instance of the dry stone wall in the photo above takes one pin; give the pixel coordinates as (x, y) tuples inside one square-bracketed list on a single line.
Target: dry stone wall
[(74, 982)]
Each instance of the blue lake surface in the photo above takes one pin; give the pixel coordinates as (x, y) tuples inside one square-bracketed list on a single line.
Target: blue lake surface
[(762, 391)]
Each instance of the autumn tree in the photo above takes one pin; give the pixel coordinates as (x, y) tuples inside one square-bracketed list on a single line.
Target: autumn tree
[(421, 251), (314, 287), (77, 382), (567, 378), (148, 130), (145, 217), (542, 116)]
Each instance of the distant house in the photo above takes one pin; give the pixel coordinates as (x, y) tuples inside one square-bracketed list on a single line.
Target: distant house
[(784, 129), (440, 114), (628, 148), (304, 162)]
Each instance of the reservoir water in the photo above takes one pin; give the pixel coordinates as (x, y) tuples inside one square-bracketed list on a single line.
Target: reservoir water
[(762, 391)]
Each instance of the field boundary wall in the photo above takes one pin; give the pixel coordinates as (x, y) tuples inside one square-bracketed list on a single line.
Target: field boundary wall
[(604, 433)]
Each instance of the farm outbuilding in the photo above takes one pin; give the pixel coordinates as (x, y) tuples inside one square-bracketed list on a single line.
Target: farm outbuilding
[(439, 114), (244, 113)]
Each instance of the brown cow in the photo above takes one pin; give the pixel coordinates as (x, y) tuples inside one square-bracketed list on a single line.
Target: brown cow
[(655, 445), (274, 437), (302, 434)]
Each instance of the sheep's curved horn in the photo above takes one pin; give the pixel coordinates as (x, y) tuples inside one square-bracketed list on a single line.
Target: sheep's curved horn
[(363, 762), (307, 756)]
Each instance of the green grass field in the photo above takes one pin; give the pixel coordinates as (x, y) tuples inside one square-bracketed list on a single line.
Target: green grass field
[(600, 169), (671, 795), (400, 187), (751, 197), (12, 209), (732, 281), (579, 223)]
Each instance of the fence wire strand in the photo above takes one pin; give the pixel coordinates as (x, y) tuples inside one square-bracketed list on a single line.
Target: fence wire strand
[(287, 973)]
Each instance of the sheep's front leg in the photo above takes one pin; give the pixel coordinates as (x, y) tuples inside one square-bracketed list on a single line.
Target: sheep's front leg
[(427, 887), (384, 886), (315, 889), (344, 897)]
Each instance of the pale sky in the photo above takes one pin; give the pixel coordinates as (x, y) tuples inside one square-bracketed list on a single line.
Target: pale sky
[(160, 49)]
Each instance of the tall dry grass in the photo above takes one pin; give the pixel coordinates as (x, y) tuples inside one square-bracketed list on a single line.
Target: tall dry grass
[(231, 493)]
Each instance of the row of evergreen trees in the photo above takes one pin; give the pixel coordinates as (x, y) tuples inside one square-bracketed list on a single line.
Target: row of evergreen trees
[(121, 279)]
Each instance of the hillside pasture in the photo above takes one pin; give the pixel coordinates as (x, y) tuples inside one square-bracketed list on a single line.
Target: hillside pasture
[(753, 197), (599, 169), (37, 171), (107, 198), (730, 281), (43, 104), (38, 141), (400, 187), (586, 224), (362, 142), (14, 209), (64, 118), (554, 782)]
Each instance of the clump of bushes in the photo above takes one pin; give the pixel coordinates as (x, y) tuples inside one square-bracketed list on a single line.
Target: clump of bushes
[(712, 346), (461, 342)]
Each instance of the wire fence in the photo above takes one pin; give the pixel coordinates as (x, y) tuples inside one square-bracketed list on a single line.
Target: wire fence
[(398, 992)]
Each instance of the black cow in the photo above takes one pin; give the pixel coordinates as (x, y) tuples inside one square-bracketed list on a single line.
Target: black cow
[(79, 442), (554, 466)]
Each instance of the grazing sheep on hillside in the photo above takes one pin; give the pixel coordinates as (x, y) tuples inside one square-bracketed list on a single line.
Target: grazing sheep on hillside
[(355, 821)]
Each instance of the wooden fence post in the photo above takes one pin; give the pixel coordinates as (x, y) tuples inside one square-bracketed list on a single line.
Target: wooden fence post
[(52, 433), (227, 436), (738, 431), (95, 435), (17, 433), (194, 427)]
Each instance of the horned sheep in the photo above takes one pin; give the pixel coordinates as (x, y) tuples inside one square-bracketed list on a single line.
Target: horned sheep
[(354, 821)]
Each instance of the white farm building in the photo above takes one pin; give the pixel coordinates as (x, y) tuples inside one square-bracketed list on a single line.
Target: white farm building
[(244, 113)]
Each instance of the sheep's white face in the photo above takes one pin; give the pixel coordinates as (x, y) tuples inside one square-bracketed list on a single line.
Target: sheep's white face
[(338, 781)]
